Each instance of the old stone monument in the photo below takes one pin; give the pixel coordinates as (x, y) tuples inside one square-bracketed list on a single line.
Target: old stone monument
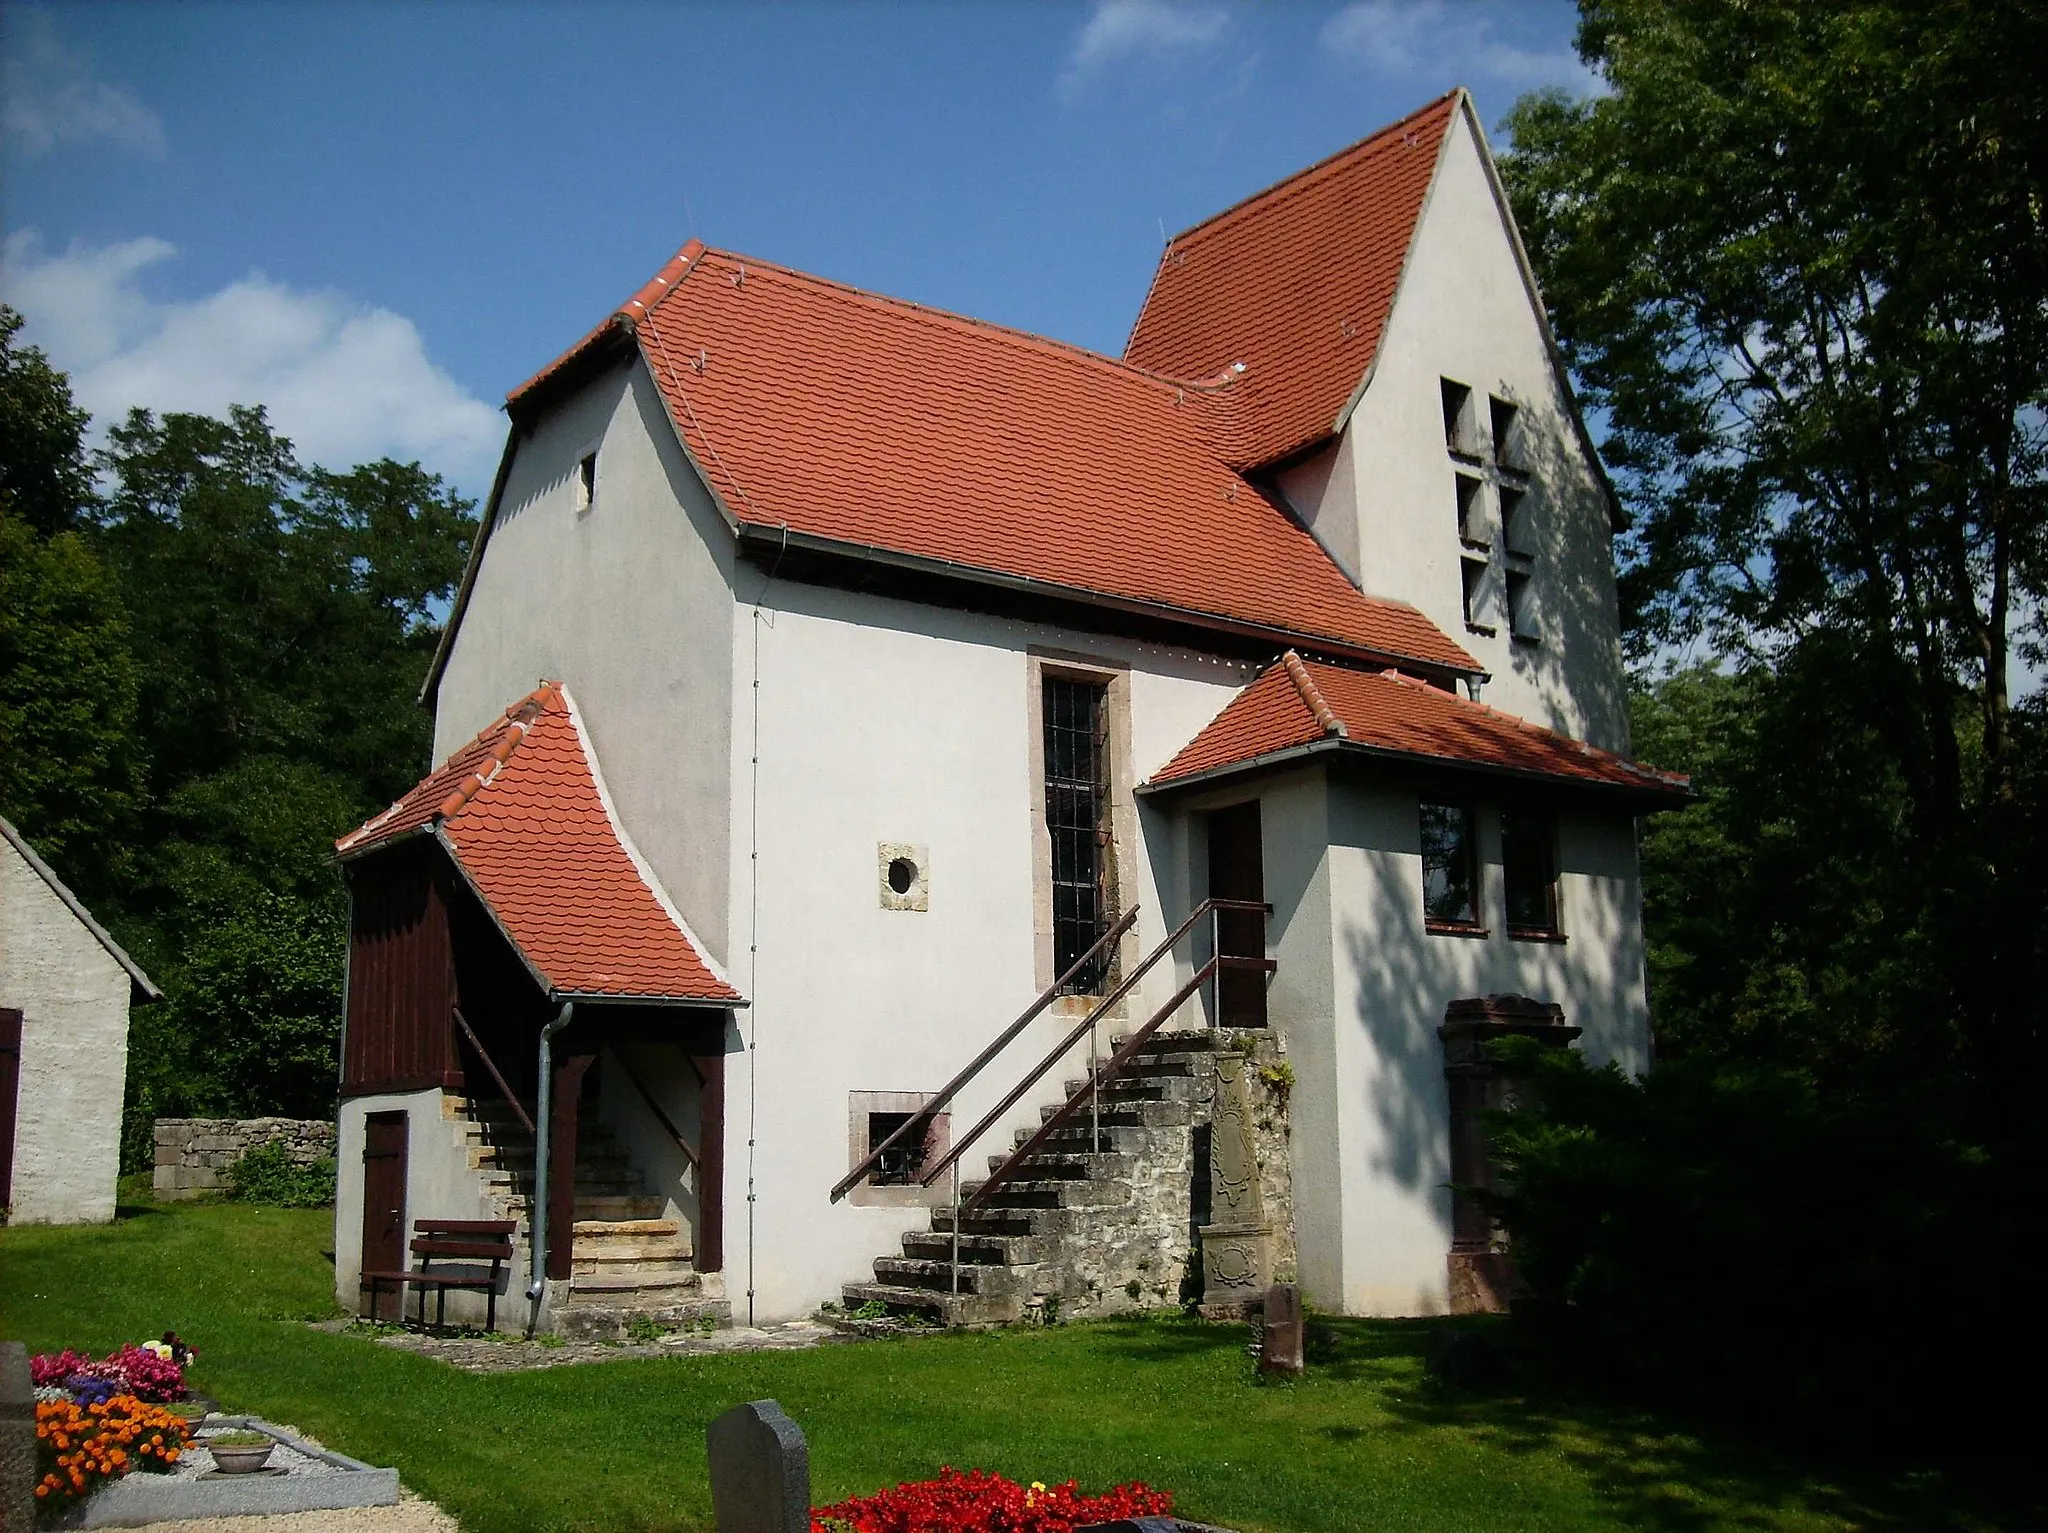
[(1280, 1334), (1237, 1256), (760, 1471), (17, 1440)]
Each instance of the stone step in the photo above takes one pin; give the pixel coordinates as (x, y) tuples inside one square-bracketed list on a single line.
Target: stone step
[(673, 1284), (614, 1206), (610, 1321), (1201, 1040), (982, 1280), (1073, 1136), (1090, 1192), (1050, 1164), (1043, 1223), (615, 1243), (983, 1250), (1126, 1114), (950, 1309)]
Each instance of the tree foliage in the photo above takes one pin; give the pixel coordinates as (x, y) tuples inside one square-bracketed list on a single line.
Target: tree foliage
[(209, 660)]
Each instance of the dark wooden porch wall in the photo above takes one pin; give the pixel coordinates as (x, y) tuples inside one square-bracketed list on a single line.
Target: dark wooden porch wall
[(399, 1032)]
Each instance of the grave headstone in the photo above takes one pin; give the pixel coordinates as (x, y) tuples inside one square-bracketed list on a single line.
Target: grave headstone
[(1237, 1242), (760, 1471), (1280, 1335), (17, 1440)]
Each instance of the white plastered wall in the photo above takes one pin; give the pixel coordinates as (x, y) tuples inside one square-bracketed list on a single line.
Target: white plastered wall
[(883, 721), (628, 602), (1384, 500), (73, 997)]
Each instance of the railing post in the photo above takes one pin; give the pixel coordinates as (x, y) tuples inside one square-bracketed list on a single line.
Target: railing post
[(956, 1226), (1094, 1095), (1216, 977)]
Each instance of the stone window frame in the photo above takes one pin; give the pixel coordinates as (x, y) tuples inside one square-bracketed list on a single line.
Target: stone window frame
[(865, 1194), (1114, 676)]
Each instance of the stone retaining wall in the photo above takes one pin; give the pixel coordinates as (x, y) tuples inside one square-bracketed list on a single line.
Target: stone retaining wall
[(193, 1153)]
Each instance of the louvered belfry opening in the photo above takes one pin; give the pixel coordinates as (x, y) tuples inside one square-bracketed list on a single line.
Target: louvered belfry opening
[(1077, 819)]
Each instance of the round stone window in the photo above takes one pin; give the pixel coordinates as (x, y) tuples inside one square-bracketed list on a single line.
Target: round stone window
[(902, 874)]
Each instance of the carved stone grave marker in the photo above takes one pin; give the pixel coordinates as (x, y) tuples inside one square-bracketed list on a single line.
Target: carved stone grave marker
[(1237, 1257), (760, 1471)]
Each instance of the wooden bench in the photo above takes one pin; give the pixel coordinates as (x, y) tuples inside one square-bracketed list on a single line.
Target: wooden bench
[(463, 1240)]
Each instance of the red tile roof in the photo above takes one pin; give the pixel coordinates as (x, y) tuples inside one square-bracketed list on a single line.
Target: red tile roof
[(1296, 283), (523, 809), (1295, 704), (881, 424)]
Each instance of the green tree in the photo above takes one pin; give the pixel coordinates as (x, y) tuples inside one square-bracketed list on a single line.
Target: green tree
[(45, 479)]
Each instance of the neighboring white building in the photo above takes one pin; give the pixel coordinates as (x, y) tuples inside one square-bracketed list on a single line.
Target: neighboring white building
[(919, 654), (65, 988)]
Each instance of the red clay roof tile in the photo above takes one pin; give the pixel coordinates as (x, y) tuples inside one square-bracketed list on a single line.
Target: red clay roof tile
[(1296, 283), (524, 810), (1385, 712)]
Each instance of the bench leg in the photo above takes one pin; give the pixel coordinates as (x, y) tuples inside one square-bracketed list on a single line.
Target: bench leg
[(491, 1301), (441, 1308)]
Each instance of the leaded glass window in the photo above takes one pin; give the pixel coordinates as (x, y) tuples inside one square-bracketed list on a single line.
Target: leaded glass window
[(1077, 819)]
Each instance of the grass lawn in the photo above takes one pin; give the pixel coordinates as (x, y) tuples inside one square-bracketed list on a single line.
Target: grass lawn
[(1366, 1441)]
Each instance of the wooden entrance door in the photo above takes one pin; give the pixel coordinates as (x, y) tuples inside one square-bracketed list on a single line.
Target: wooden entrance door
[(10, 1091), (384, 1206), (1237, 871)]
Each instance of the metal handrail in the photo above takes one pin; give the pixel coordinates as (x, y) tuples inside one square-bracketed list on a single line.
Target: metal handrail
[(491, 1065), (1086, 1027), (938, 1104)]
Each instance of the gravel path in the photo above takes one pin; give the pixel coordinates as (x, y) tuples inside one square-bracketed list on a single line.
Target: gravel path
[(411, 1515), (505, 1354)]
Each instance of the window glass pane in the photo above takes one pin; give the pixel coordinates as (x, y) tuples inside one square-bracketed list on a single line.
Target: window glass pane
[(1449, 870), (1077, 821), (1528, 844)]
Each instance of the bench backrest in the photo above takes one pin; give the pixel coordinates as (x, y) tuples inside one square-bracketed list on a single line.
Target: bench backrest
[(487, 1240)]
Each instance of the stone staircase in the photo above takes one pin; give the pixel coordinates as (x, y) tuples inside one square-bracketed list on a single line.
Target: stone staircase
[(1087, 1228), (627, 1261)]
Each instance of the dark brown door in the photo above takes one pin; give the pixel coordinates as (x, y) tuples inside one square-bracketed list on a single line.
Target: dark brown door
[(1237, 871), (10, 1088), (384, 1205)]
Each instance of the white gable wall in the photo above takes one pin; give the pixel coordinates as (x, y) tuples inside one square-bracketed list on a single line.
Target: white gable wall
[(1384, 503), (629, 604), (73, 997), (885, 721)]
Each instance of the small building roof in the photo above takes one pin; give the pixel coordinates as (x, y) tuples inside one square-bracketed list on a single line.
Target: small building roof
[(1296, 283), (522, 810), (144, 986), (1295, 708)]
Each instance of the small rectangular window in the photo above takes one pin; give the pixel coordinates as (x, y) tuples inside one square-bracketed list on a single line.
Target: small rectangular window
[(1507, 446), (1471, 525), (1521, 619), (1457, 403), (1077, 819), (1450, 866), (904, 1161), (1513, 522), (1473, 573), (1528, 859), (586, 481)]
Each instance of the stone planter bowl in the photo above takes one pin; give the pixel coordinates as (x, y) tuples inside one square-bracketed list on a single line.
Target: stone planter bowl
[(240, 1458)]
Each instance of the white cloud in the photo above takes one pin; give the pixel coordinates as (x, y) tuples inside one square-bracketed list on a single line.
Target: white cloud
[(51, 97), (1446, 40), (1123, 31), (346, 381)]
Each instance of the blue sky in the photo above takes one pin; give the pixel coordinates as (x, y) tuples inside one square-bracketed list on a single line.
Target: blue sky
[(374, 219)]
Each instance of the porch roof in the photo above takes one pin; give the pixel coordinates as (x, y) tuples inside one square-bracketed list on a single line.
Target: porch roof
[(523, 812), (1296, 707)]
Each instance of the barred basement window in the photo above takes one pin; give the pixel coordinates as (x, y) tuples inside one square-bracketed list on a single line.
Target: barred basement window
[(1450, 867), (904, 1161), (1076, 717)]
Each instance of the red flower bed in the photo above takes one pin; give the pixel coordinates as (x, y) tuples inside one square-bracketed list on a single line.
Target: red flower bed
[(980, 1502)]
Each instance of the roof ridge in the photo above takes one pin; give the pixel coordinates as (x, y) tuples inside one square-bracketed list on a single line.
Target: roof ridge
[(969, 322), (1311, 694), (1300, 180), (517, 723)]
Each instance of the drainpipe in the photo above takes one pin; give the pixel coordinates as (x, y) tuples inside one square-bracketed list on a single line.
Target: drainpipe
[(537, 1222)]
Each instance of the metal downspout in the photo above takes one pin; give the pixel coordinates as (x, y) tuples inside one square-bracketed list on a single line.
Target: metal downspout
[(537, 1219)]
